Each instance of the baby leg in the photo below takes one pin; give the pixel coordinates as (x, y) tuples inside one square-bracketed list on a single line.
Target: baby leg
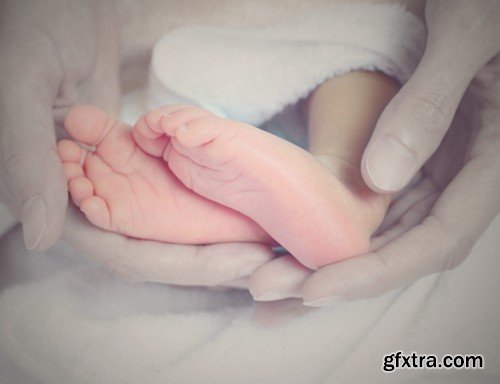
[(342, 113)]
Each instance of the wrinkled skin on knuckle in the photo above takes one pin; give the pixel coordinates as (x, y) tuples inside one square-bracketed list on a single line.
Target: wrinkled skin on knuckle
[(11, 162), (373, 280), (430, 109), (427, 115), (16, 163)]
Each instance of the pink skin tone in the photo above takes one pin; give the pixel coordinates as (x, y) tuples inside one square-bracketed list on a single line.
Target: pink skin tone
[(126, 187), (265, 178), (185, 175)]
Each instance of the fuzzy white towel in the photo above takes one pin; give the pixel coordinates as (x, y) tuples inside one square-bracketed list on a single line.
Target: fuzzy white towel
[(252, 74), (65, 321)]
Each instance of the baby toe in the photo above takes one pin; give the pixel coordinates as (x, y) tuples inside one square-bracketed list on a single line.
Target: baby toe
[(97, 212), (69, 151), (72, 170), (80, 188)]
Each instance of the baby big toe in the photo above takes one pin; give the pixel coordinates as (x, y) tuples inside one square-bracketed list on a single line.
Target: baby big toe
[(153, 118), (172, 122), (87, 124), (199, 132), (154, 147), (144, 128)]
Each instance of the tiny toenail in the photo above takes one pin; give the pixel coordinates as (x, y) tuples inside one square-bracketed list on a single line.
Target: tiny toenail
[(182, 128)]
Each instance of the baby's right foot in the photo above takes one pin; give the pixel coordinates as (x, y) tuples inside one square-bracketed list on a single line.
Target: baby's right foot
[(283, 188)]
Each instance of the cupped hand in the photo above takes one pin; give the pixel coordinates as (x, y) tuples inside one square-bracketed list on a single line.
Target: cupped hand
[(450, 176), (54, 54), (226, 264)]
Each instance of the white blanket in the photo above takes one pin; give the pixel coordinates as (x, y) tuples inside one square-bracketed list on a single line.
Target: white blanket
[(252, 74), (64, 320)]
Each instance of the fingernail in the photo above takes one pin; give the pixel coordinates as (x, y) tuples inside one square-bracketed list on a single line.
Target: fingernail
[(390, 164), (272, 296), (34, 217), (326, 302)]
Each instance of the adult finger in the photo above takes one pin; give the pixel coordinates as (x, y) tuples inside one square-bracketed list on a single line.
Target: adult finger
[(284, 277), (150, 261), (440, 242), (462, 37), (33, 185), (279, 279)]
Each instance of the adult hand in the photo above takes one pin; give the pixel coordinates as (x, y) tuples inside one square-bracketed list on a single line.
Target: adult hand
[(55, 54), (433, 225), (134, 260)]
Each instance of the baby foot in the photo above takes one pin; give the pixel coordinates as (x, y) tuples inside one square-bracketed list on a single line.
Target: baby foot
[(122, 188), (282, 187)]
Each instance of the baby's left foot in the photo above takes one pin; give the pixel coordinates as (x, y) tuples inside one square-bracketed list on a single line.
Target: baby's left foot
[(282, 187)]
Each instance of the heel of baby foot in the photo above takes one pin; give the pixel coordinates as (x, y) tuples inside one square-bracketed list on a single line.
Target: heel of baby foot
[(371, 206)]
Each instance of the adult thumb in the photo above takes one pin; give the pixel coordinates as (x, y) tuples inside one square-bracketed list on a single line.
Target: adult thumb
[(414, 123), (33, 184)]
